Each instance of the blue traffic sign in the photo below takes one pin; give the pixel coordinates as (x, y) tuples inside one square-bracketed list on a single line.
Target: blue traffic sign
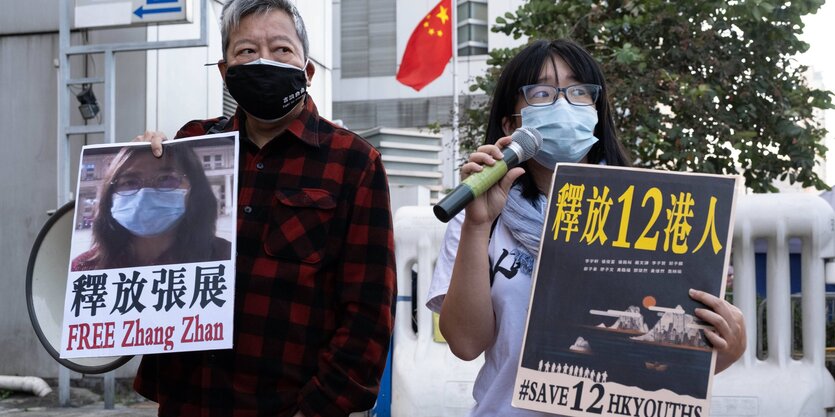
[(140, 11), (116, 13)]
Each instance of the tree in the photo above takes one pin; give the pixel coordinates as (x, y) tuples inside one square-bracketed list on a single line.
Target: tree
[(706, 86)]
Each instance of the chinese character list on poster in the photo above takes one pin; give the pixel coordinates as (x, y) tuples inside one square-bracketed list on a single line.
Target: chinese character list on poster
[(611, 328), (152, 257)]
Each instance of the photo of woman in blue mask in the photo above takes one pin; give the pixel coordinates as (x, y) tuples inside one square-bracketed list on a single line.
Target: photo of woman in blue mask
[(153, 211), (482, 280)]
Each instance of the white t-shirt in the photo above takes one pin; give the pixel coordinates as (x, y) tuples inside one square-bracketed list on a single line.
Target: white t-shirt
[(510, 291)]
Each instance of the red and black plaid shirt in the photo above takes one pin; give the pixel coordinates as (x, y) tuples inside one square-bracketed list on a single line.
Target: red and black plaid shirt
[(314, 285)]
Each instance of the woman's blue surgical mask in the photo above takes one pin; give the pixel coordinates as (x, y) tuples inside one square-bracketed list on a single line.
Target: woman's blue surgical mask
[(567, 131), (149, 212)]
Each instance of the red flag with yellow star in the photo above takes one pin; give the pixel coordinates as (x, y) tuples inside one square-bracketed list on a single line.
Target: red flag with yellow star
[(429, 48)]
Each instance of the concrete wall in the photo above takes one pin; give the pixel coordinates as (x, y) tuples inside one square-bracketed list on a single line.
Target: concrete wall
[(29, 16), (27, 188)]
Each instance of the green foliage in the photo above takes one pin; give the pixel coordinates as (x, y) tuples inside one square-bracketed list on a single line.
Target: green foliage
[(434, 128), (797, 327), (707, 86)]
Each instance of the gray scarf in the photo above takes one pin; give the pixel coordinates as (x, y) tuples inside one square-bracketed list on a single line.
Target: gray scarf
[(525, 220)]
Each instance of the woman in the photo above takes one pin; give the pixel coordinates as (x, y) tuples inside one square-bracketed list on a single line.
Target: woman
[(154, 211), (558, 88)]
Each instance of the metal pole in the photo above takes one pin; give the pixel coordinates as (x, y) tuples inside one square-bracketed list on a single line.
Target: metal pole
[(204, 23), (63, 386), (63, 162), (110, 97), (109, 389), (455, 142)]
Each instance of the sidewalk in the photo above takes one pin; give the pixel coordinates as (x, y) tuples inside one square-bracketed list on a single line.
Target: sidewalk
[(83, 402)]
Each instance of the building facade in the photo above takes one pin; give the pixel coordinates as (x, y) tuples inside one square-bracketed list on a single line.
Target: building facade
[(370, 37)]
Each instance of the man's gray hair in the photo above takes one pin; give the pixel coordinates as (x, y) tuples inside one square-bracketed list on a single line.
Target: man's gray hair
[(235, 10)]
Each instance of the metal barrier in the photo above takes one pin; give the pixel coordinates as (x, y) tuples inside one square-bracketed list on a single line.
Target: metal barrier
[(796, 351), (427, 380), (779, 385)]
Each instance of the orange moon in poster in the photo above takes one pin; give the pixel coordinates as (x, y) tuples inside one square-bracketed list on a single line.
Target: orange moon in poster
[(649, 301)]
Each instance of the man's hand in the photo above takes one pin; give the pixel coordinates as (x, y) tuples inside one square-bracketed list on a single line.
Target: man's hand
[(156, 139), (729, 336)]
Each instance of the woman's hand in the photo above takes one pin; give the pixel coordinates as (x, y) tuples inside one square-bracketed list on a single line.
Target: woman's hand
[(156, 139), (729, 337), (485, 208)]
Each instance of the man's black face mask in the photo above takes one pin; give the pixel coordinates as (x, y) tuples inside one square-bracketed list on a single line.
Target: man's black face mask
[(266, 89)]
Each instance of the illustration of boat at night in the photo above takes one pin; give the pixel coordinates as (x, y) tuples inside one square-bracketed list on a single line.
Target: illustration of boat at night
[(656, 366)]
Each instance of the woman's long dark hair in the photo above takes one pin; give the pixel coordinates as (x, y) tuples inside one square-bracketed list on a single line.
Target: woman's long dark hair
[(525, 69), (195, 232)]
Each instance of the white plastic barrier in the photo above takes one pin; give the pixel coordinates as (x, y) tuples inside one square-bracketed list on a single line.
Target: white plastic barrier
[(780, 386), (427, 380)]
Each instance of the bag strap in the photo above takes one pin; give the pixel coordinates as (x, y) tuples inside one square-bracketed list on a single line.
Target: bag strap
[(489, 261), (493, 226)]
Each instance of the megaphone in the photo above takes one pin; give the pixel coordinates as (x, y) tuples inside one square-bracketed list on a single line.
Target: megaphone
[(46, 285)]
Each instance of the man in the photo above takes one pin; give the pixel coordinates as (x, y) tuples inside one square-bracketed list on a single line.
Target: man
[(315, 262)]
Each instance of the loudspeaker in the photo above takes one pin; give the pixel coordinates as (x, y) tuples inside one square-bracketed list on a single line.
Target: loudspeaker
[(46, 285)]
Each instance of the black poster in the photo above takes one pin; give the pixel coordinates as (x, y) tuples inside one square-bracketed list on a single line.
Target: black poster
[(611, 328)]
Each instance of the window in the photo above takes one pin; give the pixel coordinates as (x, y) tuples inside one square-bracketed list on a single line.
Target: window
[(229, 104), (218, 161), (89, 172), (207, 161), (369, 38), (472, 27), (472, 10)]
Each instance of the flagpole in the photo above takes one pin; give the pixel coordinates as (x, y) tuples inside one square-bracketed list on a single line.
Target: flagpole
[(455, 142)]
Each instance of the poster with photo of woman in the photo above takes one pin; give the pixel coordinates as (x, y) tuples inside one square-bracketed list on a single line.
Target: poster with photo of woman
[(151, 266)]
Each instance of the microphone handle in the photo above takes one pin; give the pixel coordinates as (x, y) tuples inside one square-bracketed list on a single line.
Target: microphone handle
[(453, 202), (474, 186)]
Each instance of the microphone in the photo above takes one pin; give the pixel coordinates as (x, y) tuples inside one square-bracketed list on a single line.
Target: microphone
[(526, 142)]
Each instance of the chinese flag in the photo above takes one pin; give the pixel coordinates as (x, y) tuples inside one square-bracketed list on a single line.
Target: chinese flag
[(429, 48)]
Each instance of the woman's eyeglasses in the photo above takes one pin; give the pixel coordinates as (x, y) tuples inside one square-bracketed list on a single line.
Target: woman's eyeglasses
[(130, 185), (545, 95)]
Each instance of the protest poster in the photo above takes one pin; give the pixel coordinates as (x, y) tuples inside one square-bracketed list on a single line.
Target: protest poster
[(152, 266), (611, 329)]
